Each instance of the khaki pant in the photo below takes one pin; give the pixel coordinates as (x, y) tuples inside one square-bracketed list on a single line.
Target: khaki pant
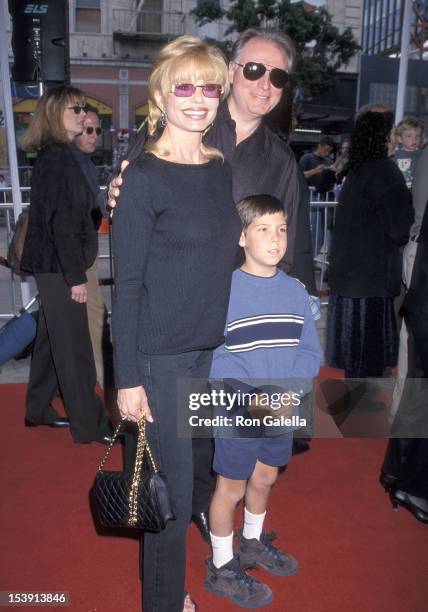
[(96, 317)]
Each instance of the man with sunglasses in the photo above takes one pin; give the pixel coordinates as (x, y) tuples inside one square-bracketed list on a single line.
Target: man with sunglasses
[(82, 148), (262, 163)]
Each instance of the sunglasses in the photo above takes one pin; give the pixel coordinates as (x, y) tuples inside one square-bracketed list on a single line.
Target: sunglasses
[(253, 71), (186, 90), (90, 130), (78, 108)]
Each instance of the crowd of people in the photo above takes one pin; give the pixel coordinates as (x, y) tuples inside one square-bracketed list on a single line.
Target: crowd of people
[(214, 280)]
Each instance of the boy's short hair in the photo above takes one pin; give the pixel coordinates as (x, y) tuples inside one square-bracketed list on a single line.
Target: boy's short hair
[(251, 207), (411, 123)]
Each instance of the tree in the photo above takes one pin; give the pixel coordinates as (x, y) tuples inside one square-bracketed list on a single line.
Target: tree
[(321, 48)]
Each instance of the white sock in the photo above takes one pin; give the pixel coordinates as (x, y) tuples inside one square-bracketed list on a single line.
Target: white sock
[(253, 525), (222, 549)]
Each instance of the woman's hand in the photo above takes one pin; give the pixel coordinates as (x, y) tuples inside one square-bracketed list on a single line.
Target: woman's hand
[(114, 187), (79, 293), (133, 404)]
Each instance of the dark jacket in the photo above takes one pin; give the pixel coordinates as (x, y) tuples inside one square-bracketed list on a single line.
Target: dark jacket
[(61, 235), (416, 301), (303, 261), (373, 219)]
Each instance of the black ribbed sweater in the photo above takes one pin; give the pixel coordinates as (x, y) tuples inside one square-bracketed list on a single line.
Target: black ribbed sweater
[(175, 236)]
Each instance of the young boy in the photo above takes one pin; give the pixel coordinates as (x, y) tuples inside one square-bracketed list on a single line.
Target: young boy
[(270, 335), (409, 135)]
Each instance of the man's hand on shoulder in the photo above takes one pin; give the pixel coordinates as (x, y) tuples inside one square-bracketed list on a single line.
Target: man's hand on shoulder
[(114, 188)]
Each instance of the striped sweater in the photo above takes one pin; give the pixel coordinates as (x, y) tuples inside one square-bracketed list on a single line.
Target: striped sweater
[(270, 333)]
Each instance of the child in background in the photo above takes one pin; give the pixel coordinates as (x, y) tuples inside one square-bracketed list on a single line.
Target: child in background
[(270, 335), (409, 135)]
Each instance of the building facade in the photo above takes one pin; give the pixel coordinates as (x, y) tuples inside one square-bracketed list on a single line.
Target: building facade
[(381, 44), (112, 45)]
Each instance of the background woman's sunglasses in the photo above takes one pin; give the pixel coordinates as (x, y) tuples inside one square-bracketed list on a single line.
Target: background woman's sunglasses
[(90, 130), (78, 108), (253, 71), (186, 90)]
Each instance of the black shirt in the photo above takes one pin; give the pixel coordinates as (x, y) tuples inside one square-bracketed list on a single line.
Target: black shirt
[(324, 181), (175, 233), (261, 164)]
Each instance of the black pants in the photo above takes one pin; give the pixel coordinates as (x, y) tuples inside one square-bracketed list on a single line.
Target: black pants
[(406, 458), (203, 475), (164, 553), (63, 360)]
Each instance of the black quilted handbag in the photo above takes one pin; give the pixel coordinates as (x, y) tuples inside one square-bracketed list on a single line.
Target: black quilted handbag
[(142, 499)]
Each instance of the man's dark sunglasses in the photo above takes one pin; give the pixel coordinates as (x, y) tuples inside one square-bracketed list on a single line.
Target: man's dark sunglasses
[(90, 130), (253, 71)]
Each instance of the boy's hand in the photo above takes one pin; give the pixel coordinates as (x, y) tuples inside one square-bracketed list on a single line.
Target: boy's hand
[(286, 410), (114, 187)]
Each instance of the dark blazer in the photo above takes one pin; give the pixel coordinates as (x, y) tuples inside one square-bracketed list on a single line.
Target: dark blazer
[(416, 301), (373, 219), (302, 267), (61, 234)]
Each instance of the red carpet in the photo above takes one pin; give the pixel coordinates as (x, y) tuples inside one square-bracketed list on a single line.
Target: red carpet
[(328, 510)]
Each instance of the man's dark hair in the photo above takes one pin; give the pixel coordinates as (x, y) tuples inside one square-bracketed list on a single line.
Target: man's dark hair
[(327, 140), (91, 109), (254, 206), (369, 140)]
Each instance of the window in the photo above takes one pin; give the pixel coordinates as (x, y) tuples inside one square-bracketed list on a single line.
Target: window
[(150, 17), (386, 93), (215, 3), (88, 16)]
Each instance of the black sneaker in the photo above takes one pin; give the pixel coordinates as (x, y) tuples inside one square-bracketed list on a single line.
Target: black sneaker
[(262, 553), (231, 581)]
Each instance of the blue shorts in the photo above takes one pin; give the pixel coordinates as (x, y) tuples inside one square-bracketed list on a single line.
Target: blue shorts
[(236, 458)]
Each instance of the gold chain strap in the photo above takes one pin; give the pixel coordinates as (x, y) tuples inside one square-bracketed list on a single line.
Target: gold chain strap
[(142, 445), (110, 446)]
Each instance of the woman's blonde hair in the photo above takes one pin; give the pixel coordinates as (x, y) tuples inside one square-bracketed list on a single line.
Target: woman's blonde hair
[(47, 125), (184, 60)]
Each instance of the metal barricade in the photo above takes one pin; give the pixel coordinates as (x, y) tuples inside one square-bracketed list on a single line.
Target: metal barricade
[(10, 298), (322, 213)]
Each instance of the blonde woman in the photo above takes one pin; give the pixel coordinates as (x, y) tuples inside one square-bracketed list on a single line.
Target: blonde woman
[(61, 244), (175, 238)]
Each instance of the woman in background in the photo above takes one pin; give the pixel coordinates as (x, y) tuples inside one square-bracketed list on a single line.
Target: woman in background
[(373, 220), (60, 245)]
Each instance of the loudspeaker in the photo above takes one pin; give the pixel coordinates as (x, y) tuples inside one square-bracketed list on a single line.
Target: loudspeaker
[(40, 41)]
